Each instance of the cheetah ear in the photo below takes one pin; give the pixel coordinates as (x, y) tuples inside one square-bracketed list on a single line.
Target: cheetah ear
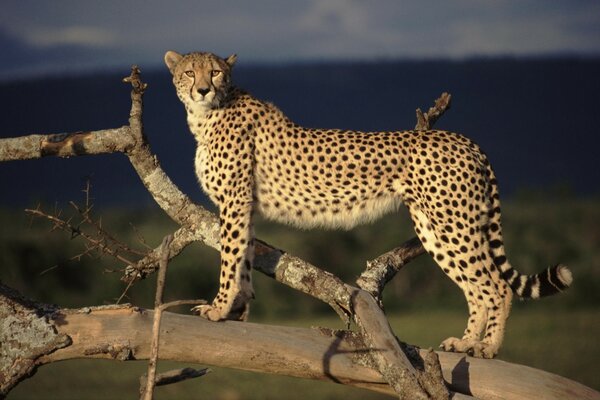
[(231, 60), (172, 58)]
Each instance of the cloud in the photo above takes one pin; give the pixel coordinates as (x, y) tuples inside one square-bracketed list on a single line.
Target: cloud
[(70, 35), (522, 29), (116, 32)]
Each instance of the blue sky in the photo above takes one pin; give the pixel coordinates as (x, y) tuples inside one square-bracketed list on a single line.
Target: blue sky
[(63, 35)]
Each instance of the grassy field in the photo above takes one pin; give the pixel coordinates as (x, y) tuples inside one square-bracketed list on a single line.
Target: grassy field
[(558, 334), (564, 343)]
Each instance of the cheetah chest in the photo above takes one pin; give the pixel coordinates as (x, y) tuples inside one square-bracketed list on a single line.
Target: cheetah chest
[(204, 172)]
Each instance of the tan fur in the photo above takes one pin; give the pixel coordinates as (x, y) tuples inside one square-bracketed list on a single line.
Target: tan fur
[(251, 157)]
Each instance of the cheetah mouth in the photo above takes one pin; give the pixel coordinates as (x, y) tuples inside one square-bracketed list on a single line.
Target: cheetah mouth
[(201, 99), (207, 100)]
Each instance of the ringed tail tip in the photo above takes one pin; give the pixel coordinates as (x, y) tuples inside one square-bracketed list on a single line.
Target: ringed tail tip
[(564, 274), (554, 280)]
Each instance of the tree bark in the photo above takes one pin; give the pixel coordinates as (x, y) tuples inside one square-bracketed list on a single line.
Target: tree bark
[(203, 226), (125, 333), (372, 359), (299, 352)]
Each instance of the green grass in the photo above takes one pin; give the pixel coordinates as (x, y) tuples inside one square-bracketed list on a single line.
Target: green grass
[(564, 343), (558, 334)]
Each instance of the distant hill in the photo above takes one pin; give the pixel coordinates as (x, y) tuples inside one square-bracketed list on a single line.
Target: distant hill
[(537, 119)]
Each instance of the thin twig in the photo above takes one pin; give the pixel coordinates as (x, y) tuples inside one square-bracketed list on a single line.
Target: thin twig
[(293, 271), (99, 243), (129, 285), (97, 238), (160, 288), (139, 237), (173, 376)]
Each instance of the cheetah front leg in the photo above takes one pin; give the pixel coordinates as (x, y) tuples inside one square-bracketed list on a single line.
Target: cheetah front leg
[(237, 253)]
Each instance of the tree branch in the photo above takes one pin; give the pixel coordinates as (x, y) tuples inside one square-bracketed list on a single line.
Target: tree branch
[(378, 342), (148, 391), (441, 105), (124, 333), (173, 376), (382, 269), (151, 378), (66, 144)]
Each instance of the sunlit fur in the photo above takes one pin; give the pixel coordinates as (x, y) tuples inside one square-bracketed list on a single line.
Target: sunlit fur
[(250, 157)]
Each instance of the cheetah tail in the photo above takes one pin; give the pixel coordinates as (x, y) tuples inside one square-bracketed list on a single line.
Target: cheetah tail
[(550, 281)]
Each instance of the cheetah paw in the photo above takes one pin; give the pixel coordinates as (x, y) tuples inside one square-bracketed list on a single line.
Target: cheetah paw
[(208, 311), (472, 347), (215, 313)]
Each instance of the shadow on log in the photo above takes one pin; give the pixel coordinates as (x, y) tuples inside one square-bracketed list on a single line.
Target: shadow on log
[(33, 334), (125, 332)]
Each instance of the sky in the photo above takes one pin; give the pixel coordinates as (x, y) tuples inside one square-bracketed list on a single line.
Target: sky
[(40, 37)]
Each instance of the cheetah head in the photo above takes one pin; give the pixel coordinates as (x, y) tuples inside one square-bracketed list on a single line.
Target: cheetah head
[(201, 79)]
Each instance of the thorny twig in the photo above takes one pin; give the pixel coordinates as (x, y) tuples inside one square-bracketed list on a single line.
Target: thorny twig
[(99, 243), (274, 262), (98, 240)]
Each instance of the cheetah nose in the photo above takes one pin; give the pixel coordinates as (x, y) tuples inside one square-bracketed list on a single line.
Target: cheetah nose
[(203, 91)]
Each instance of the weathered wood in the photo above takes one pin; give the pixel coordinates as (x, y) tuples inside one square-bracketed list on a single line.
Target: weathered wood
[(24, 337), (382, 269), (123, 333), (66, 144), (386, 353), (254, 347), (299, 352), (204, 225), (147, 391)]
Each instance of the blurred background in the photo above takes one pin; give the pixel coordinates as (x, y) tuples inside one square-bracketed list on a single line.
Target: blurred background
[(524, 76)]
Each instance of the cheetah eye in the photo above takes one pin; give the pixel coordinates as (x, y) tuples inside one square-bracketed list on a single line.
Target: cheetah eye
[(215, 73), (190, 73)]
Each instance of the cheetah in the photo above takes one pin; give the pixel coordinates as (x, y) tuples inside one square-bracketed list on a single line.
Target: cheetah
[(250, 157)]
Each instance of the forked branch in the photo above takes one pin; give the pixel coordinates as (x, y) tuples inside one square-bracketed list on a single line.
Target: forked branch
[(203, 226), (409, 378), (125, 333)]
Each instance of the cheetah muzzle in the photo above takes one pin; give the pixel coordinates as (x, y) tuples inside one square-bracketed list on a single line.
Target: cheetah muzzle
[(251, 157)]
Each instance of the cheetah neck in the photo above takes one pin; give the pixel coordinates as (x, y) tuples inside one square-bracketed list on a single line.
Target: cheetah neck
[(200, 114)]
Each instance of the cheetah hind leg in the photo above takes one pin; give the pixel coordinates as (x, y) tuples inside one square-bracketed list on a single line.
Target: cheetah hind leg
[(470, 343), (445, 257), (479, 322)]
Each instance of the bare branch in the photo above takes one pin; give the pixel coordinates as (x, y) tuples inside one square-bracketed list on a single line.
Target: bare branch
[(124, 333), (148, 393), (182, 237), (66, 144), (426, 121), (173, 376), (387, 355), (151, 379), (177, 303), (100, 241), (382, 269), (390, 362)]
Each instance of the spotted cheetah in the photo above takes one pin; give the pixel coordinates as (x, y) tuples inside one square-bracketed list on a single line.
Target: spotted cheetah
[(251, 157)]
